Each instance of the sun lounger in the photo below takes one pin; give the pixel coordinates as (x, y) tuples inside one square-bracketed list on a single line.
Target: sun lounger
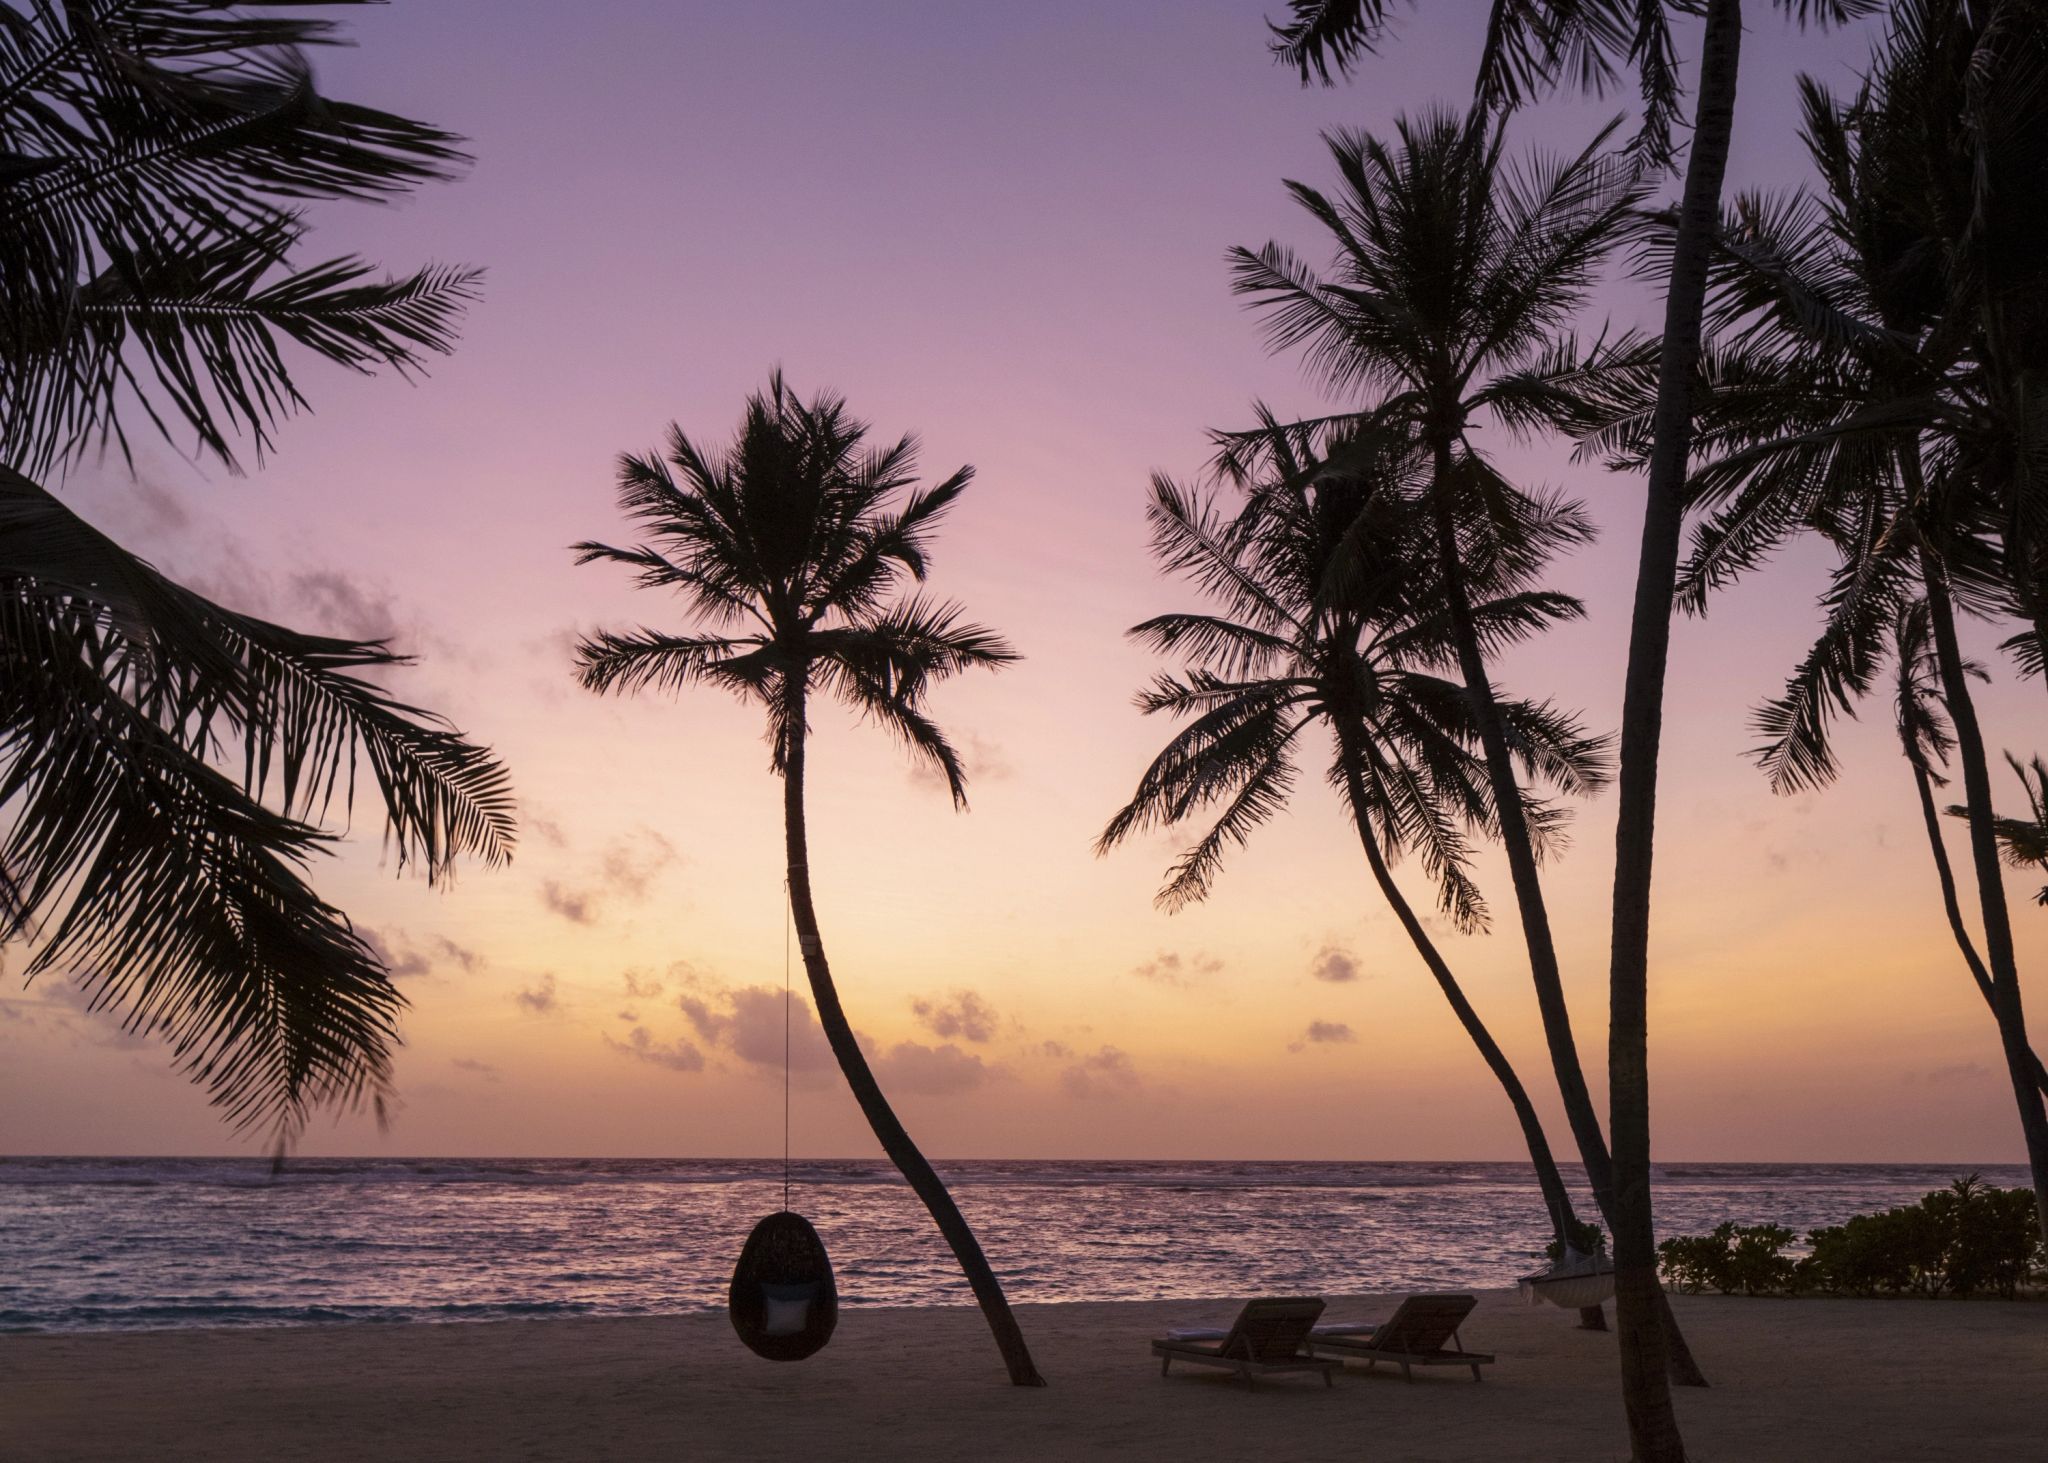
[(1267, 1337), (1413, 1336)]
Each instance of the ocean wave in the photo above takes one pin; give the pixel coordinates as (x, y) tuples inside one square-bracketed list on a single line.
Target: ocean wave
[(148, 1243)]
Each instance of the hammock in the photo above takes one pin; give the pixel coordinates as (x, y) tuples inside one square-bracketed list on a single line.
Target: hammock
[(1576, 1282), (783, 1301)]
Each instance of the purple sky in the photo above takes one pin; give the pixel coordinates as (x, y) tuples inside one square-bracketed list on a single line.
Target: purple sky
[(1002, 226)]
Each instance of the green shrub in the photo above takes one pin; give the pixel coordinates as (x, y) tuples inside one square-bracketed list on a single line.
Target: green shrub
[(1692, 1262), (1969, 1238), (1744, 1257), (1587, 1239), (1991, 1241), (1892, 1252)]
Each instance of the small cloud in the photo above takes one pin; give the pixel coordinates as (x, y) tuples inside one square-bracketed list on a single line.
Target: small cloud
[(1322, 1032), (1057, 1050), (400, 960), (539, 999), (339, 604), (1104, 1073), (160, 510), (1959, 1072), (626, 872), (1169, 968), (404, 960), (576, 906), (631, 865), (940, 1071), (641, 986), (963, 1014), (471, 1064), (101, 1027), (981, 758), (677, 1055), (749, 1023), (1335, 965), (462, 955), (546, 829)]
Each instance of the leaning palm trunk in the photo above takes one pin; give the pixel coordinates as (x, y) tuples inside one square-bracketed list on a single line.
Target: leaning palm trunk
[(882, 1119), (1544, 969), (1998, 943), (1556, 1198), (1521, 851), (1646, 1393), (1952, 905)]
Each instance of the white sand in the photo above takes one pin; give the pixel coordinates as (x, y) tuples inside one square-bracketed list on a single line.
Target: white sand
[(1804, 1381)]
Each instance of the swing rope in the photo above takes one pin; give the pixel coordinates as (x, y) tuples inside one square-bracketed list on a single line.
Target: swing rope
[(788, 919)]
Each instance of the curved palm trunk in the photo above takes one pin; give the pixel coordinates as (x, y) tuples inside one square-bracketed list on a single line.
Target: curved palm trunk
[(1652, 1424), (1544, 968), (1556, 1198), (1998, 946), (1953, 907), (866, 1091), (1520, 848)]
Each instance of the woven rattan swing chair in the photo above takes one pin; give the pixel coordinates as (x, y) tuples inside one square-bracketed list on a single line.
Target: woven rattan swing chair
[(784, 1302)]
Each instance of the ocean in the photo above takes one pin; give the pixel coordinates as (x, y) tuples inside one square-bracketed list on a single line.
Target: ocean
[(149, 1243)]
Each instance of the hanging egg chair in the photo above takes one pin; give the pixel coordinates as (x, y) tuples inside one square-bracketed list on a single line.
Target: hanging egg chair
[(784, 1303)]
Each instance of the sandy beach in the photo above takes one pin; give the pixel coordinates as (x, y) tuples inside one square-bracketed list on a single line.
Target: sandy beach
[(1807, 1380)]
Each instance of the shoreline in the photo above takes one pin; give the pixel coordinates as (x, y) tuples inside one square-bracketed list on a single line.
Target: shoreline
[(1807, 1379)]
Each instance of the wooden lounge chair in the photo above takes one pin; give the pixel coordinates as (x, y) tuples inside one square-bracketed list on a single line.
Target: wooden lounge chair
[(1413, 1336), (1268, 1336)]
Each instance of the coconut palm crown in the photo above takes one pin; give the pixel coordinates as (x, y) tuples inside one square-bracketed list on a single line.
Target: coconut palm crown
[(789, 543), (1329, 617)]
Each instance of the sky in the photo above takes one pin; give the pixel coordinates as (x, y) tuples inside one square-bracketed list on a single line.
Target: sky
[(1001, 227)]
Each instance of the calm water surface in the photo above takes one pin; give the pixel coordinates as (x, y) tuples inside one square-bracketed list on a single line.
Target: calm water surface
[(95, 1244)]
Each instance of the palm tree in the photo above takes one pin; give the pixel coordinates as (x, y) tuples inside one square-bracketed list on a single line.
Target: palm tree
[(1455, 278), (1332, 618), (156, 155), (1925, 737), (1856, 397), (789, 545), (1531, 46)]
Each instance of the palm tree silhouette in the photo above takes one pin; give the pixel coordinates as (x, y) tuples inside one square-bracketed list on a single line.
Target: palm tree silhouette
[(789, 544), (1332, 618), (1533, 46), (1925, 738), (2025, 840), (1855, 394), (158, 158), (1453, 284)]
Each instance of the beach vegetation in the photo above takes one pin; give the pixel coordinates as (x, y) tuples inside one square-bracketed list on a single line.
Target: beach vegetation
[(1731, 1257), (1971, 1238)]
